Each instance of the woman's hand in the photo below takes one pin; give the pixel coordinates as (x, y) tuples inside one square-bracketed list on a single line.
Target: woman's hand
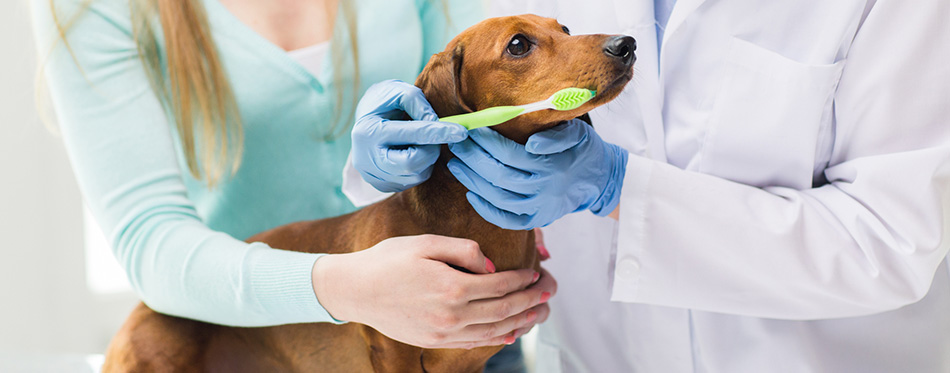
[(391, 154), (404, 288)]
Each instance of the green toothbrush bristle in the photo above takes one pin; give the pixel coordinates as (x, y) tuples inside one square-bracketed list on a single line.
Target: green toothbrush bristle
[(571, 98)]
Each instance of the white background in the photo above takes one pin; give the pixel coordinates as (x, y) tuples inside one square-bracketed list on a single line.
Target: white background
[(46, 305)]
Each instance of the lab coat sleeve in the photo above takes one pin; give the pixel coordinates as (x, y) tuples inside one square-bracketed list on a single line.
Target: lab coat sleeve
[(122, 151), (357, 190), (868, 241)]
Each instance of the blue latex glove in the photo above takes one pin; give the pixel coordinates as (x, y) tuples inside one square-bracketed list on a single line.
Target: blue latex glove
[(394, 155), (559, 171)]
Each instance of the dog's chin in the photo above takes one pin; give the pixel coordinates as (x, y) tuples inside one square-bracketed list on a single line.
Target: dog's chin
[(611, 90)]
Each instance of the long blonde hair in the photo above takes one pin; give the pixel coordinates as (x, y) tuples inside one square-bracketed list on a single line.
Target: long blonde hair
[(195, 88)]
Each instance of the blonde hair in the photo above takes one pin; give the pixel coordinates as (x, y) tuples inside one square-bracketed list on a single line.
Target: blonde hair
[(195, 88)]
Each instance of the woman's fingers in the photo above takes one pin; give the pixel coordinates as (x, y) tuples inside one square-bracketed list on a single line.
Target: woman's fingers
[(502, 332), (497, 285), (526, 319), (496, 309), (459, 252), (539, 243)]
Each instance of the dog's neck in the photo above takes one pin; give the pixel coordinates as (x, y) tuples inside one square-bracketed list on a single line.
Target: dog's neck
[(439, 204)]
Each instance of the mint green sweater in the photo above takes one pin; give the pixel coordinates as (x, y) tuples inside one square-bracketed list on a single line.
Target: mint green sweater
[(180, 242)]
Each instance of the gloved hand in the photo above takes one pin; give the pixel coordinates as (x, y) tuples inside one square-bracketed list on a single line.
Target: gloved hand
[(393, 155), (558, 171)]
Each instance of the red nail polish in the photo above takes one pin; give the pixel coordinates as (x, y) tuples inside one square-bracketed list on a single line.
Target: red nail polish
[(489, 266), (509, 339), (536, 277), (545, 296), (543, 251)]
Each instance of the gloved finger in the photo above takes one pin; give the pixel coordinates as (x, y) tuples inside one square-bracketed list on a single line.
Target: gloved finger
[(499, 197), (559, 138), (496, 216), (491, 169), (393, 184), (409, 160), (414, 102), (378, 98), (504, 150), (421, 133)]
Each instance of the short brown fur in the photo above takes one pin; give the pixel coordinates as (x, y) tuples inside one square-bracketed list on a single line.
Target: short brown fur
[(472, 73)]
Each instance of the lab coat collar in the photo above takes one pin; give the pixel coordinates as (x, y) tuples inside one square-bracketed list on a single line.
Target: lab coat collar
[(681, 10), (637, 12)]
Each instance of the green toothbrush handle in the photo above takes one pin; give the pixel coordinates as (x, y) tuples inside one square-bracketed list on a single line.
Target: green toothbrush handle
[(484, 118)]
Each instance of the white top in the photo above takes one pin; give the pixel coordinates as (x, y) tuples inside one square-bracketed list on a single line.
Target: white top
[(311, 58), (787, 198)]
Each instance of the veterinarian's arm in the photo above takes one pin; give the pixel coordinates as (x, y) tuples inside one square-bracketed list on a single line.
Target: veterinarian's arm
[(869, 241), (125, 160)]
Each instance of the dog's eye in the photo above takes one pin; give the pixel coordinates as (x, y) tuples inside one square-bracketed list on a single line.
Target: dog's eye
[(519, 45), (566, 30)]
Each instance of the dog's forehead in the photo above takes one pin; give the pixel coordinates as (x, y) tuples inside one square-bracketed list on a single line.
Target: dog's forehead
[(504, 27)]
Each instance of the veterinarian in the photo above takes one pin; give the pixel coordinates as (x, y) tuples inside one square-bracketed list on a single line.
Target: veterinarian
[(783, 172), (192, 125)]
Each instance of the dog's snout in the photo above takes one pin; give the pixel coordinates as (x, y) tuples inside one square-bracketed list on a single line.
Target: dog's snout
[(622, 47)]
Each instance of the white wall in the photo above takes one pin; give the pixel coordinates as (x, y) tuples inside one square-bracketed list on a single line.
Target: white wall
[(45, 305)]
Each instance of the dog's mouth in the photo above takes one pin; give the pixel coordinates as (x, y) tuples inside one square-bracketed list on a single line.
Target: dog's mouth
[(611, 90)]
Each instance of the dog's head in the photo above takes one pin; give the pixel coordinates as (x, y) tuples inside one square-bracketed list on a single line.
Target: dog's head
[(523, 59)]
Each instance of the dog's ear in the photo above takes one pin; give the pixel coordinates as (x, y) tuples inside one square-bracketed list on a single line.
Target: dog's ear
[(441, 81)]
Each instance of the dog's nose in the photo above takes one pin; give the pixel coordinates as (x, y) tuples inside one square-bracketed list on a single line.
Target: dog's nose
[(622, 47)]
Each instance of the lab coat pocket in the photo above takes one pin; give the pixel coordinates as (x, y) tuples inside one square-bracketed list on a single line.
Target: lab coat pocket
[(769, 118)]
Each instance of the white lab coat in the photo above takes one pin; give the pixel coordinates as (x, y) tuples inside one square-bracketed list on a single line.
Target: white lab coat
[(786, 207)]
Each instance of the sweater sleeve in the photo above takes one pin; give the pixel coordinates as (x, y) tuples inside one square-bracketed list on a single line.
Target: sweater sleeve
[(122, 150)]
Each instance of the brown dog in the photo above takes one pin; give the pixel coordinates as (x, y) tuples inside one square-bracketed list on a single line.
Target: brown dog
[(500, 61)]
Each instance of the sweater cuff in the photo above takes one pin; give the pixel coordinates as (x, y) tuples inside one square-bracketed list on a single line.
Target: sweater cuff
[(282, 283)]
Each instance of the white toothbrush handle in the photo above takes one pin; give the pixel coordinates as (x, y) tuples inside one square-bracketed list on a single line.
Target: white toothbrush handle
[(536, 106)]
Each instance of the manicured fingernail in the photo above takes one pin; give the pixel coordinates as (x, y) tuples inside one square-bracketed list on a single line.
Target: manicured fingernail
[(545, 296), (489, 266), (509, 339), (531, 316), (543, 251), (536, 277)]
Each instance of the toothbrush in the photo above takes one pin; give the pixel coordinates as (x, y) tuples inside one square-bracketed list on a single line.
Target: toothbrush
[(563, 100)]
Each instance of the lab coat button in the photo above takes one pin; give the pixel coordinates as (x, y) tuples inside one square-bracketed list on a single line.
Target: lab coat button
[(628, 268)]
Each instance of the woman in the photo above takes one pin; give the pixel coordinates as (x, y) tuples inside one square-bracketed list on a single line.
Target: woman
[(784, 203), (190, 127)]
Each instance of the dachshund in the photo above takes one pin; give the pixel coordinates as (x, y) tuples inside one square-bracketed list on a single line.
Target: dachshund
[(499, 61)]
